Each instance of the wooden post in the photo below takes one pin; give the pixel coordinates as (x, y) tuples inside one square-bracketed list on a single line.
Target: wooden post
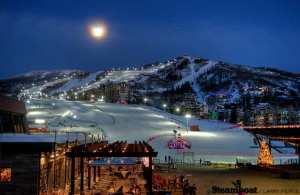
[(65, 175), (72, 190), (94, 177), (99, 171), (89, 177), (81, 174), (298, 151), (149, 175)]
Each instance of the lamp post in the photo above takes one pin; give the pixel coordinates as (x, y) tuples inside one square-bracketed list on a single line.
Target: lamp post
[(187, 116), (145, 100), (164, 106)]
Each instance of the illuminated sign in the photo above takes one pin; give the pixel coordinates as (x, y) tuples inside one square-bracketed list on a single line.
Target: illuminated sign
[(179, 144)]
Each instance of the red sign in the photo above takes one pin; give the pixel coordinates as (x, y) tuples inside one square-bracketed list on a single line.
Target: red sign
[(179, 143)]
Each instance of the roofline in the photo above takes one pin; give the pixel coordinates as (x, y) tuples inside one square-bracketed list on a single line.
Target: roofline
[(9, 104), (113, 154)]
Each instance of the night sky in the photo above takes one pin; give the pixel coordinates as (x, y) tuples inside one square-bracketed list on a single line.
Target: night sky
[(46, 35)]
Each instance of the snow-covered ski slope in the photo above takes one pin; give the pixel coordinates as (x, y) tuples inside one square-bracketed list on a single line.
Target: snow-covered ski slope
[(77, 83), (115, 76), (216, 141), (192, 76)]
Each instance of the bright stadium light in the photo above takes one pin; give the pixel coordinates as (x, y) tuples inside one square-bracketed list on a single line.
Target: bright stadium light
[(187, 116)]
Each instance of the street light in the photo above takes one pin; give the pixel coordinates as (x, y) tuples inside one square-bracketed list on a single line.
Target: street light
[(164, 106), (145, 99), (187, 116), (177, 109)]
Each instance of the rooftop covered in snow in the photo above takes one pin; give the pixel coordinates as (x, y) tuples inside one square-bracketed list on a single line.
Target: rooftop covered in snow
[(41, 138)]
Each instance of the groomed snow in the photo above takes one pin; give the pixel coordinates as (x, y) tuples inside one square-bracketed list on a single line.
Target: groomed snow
[(192, 75), (217, 141), (77, 83)]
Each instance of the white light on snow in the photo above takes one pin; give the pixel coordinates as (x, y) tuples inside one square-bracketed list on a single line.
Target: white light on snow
[(155, 115), (199, 134), (68, 112), (188, 116), (39, 121), (35, 113)]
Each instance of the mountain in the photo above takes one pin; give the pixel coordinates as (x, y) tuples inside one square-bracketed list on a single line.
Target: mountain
[(31, 80), (177, 81)]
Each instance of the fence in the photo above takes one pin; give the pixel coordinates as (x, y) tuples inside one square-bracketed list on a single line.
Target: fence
[(191, 164)]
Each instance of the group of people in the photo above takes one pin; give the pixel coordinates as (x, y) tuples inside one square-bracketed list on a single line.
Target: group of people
[(170, 161), (174, 183), (189, 189), (134, 190)]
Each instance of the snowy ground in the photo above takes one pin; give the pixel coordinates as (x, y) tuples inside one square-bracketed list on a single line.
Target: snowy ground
[(215, 142)]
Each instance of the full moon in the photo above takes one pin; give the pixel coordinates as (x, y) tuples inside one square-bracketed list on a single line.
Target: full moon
[(97, 31)]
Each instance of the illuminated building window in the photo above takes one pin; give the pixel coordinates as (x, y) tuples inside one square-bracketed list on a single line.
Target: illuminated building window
[(5, 175)]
